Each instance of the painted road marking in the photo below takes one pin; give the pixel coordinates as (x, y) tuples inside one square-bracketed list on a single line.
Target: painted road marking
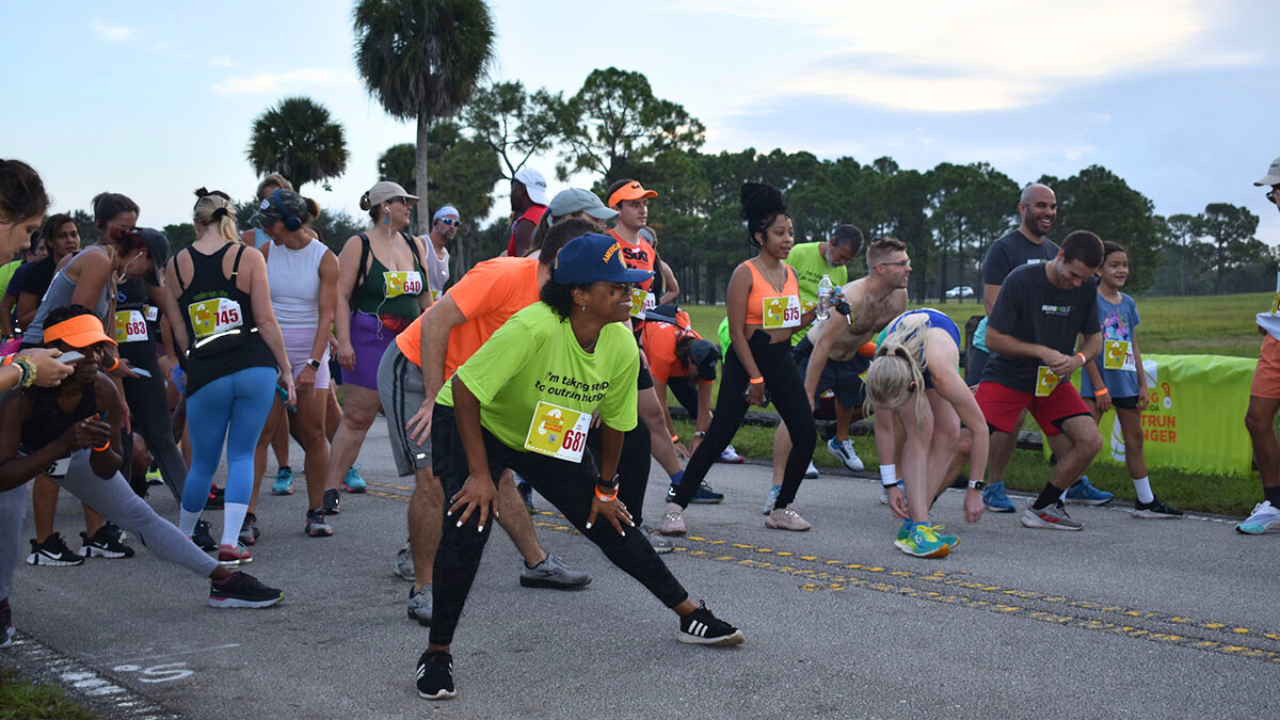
[(1129, 620)]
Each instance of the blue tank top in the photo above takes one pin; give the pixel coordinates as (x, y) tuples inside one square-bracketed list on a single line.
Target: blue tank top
[(936, 320)]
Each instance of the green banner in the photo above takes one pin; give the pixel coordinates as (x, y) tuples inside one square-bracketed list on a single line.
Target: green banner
[(1195, 421)]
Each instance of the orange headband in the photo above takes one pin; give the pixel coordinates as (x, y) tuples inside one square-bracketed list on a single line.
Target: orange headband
[(80, 331)]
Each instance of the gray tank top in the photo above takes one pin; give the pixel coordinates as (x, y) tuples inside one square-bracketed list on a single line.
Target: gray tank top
[(59, 294)]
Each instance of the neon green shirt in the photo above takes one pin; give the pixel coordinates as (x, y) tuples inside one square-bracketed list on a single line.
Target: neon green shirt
[(533, 371), (6, 274), (810, 266)]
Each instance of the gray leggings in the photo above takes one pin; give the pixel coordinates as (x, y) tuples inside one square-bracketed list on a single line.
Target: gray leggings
[(116, 502)]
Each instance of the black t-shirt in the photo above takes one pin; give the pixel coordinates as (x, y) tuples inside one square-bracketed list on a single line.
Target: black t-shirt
[(32, 277), (1013, 251), (1032, 309)]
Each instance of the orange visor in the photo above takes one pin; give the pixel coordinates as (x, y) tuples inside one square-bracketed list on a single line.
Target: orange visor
[(80, 331), (630, 191)]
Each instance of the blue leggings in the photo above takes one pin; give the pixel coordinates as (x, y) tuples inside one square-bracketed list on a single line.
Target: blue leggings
[(234, 407)]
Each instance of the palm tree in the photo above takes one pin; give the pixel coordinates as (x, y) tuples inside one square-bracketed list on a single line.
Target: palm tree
[(422, 59), (299, 140)]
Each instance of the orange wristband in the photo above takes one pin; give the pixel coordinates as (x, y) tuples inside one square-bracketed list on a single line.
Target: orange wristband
[(756, 380), (675, 438), (8, 360), (114, 365), (1083, 361), (606, 498), (104, 448), (1101, 392)]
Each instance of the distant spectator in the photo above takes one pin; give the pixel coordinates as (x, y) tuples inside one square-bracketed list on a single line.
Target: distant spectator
[(528, 203)]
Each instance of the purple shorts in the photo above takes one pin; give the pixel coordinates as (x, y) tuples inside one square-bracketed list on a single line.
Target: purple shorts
[(369, 339)]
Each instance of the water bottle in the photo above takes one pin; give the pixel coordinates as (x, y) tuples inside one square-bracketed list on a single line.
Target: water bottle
[(1275, 305), (824, 297)]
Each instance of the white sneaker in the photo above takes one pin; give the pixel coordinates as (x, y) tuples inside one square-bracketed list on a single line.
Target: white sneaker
[(672, 520), (1263, 517), (786, 519), (812, 472), (845, 452), (730, 456), (884, 492)]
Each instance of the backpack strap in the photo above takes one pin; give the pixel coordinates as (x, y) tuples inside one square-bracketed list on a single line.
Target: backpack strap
[(413, 248)]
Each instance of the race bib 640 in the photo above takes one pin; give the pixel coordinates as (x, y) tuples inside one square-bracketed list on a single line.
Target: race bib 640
[(558, 432), (403, 282)]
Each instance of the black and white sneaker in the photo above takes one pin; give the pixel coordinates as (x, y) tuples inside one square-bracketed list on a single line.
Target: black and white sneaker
[(700, 627), (435, 676), (332, 503), (104, 544), (242, 590), (53, 551), (202, 537), (249, 531), (1155, 509)]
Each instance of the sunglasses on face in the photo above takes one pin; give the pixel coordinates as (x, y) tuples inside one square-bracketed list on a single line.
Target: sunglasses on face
[(451, 222), (1271, 196)]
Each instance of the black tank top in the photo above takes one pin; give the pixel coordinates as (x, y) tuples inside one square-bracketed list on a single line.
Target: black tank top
[(219, 319), (47, 422)]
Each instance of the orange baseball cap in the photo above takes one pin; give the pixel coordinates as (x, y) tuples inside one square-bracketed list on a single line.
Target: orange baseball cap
[(80, 331), (631, 191)]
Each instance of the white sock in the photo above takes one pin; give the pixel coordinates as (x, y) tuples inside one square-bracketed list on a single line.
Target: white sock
[(1143, 486), (187, 521), (232, 518)]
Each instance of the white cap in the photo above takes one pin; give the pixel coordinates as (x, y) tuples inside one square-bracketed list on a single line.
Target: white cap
[(534, 184), (1273, 174)]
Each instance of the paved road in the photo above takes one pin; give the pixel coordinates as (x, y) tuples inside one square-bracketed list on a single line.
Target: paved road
[(1127, 618)]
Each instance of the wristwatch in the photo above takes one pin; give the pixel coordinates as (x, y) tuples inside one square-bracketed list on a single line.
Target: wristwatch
[(978, 485), (609, 485), (314, 363)]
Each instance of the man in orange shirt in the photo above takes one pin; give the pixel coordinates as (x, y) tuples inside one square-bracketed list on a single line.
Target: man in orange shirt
[(411, 373)]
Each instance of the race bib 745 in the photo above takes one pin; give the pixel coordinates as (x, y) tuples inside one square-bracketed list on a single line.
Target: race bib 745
[(218, 315)]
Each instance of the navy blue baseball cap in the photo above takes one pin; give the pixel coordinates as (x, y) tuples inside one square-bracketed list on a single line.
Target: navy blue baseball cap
[(594, 258)]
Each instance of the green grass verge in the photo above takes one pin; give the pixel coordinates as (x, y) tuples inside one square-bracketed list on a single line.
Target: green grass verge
[(20, 699), (1028, 471)]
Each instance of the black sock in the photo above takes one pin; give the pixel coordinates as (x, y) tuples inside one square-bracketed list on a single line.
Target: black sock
[(287, 469), (1273, 495), (1048, 496)]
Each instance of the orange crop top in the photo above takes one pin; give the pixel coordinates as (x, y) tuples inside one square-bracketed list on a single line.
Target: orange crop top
[(770, 309)]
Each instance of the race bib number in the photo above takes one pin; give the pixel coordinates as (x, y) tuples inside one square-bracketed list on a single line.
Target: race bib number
[(130, 327), (1046, 381), (211, 317), (1118, 356), (402, 282), (641, 302), (435, 294), (59, 467), (781, 312), (152, 312), (558, 432)]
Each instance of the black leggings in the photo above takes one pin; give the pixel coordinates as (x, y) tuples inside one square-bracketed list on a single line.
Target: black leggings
[(149, 406), (686, 394), (633, 466), (780, 379), (568, 486)]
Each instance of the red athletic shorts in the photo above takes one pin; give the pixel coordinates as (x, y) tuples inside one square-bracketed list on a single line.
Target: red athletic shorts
[(1266, 377), (1001, 405)]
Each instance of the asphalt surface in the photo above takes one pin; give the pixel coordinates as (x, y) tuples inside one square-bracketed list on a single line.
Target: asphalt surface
[(1130, 617)]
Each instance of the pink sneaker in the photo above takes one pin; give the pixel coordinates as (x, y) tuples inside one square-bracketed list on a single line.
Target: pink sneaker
[(234, 555)]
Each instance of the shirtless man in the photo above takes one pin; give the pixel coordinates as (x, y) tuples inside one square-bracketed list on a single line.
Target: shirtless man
[(829, 356)]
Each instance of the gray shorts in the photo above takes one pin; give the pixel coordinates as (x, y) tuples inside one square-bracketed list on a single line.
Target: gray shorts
[(402, 393)]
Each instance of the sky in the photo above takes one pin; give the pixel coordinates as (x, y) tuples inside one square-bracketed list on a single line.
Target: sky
[(1178, 97)]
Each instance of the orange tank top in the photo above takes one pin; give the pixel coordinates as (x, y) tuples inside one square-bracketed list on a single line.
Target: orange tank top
[(770, 309)]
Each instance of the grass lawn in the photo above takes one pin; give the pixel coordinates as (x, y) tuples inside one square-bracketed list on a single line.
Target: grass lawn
[(22, 699), (1214, 325)]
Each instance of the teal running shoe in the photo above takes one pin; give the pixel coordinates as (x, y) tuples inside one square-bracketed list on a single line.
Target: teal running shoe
[(923, 542), (353, 483), (284, 482)]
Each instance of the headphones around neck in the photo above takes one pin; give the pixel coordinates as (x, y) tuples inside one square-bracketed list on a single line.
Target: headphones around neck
[(291, 222)]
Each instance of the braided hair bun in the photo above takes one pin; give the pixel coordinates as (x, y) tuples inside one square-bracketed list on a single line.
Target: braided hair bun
[(761, 205)]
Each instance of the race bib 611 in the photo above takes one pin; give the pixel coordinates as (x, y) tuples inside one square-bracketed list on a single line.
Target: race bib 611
[(641, 302), (558, 432)]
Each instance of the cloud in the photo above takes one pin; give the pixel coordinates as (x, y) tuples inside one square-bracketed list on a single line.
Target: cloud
[(223, 61), (981, 55), (270, 83), (114, 33)]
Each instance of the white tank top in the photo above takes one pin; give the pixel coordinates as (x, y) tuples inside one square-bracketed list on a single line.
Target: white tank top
[(437, 269), (294, 276)]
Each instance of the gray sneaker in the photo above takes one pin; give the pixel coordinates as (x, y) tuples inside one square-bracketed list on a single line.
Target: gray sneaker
[(404, 564), (786, 519), (661, 545), (1054, 517), (420, 605), (554, 574), (672, 520)]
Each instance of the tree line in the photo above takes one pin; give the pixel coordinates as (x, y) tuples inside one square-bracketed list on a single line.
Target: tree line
[(426, 60)]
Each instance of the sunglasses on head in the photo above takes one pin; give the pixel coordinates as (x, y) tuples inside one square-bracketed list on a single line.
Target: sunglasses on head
[(451, 222)]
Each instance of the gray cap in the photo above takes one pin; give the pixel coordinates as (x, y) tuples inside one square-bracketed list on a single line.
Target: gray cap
[(567, 202), (1273, 174)]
